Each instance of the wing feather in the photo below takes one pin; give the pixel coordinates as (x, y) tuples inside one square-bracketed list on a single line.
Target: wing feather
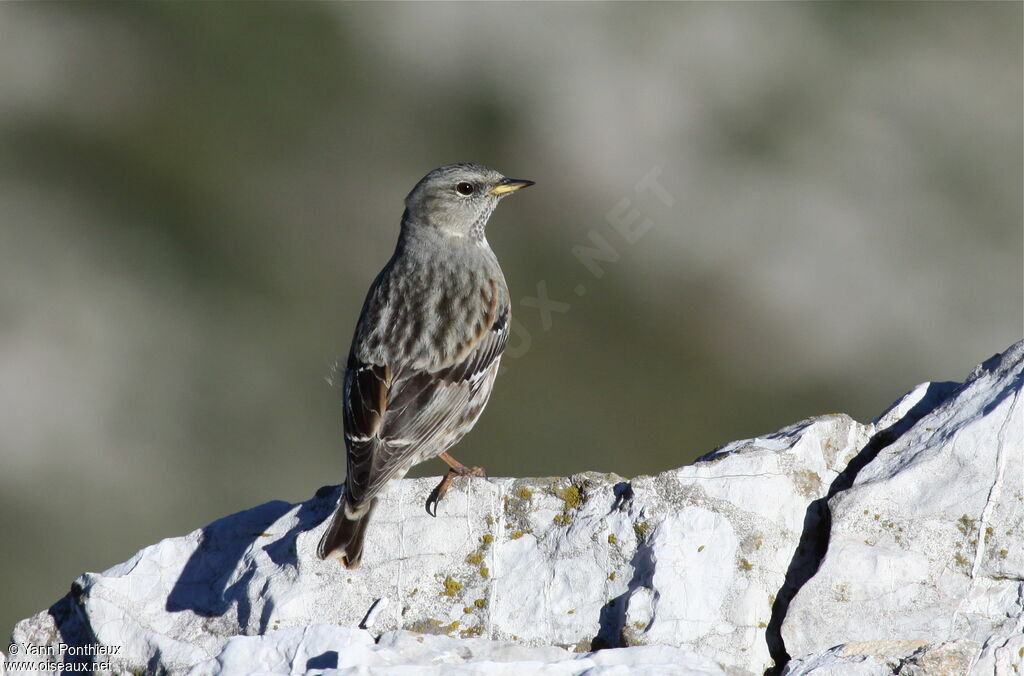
[(396, 415)]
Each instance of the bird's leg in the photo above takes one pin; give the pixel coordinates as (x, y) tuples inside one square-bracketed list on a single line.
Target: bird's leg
[(457, 469), (460, 469)]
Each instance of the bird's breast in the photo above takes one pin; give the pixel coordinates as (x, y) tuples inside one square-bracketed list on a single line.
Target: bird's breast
[(429, 314)]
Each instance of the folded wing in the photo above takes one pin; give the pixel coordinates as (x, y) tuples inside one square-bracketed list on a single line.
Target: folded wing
[(396, 416)]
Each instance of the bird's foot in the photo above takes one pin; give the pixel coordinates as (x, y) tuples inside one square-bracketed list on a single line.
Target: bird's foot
[(438, 493)]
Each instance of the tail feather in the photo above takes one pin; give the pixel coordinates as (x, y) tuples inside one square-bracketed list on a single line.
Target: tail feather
[(346, 533)]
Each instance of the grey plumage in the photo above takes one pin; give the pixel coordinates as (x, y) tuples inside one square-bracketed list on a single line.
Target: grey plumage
[(427, 346)]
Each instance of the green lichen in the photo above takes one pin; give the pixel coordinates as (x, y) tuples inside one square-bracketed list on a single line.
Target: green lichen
[(612, 539), (480, 603), (467, 610), (641, 529), (484, 572), (965, 524), (472, 632), (428, 626), (745, 565), (612, 575), (572, 498), (524, 494), (477, 557), (515, 536), (701, 548), (451, 587), (807, 483)]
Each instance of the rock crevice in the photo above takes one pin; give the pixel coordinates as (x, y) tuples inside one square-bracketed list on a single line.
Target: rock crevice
[(813, 545)]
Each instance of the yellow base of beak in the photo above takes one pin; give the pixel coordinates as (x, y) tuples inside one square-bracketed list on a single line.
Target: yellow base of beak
[(510, 185)]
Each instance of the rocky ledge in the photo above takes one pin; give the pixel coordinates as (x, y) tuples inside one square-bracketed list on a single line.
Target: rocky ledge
[(827, 547)]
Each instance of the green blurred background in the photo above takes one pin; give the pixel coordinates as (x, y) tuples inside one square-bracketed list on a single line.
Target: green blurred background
[(195, 197)]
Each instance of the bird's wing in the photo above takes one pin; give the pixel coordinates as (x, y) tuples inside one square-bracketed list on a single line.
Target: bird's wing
[(396, 415)]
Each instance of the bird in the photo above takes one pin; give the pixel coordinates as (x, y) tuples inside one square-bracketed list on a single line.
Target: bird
[(426, 348)]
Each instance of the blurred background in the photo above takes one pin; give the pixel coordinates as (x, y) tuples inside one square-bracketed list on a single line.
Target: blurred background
[(195, 197)]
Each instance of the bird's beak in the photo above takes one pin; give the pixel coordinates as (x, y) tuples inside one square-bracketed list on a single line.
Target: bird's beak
[(510, 185)]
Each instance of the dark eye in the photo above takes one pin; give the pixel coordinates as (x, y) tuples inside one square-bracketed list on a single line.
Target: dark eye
[(464, 188)]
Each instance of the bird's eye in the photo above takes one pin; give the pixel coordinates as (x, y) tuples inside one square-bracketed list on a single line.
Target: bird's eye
[(464, 188)]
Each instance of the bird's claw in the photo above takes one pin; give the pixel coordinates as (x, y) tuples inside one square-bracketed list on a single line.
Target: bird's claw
[(440, 489), (432, 501), (438, 493)]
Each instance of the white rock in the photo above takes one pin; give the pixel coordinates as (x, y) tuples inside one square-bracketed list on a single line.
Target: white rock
[(349, 651), (694, 570), (926, 544), (881, 658)]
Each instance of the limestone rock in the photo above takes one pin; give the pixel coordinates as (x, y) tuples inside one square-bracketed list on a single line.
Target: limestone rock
[(766, 548), (926, 544), (353, 651), (882, 658)]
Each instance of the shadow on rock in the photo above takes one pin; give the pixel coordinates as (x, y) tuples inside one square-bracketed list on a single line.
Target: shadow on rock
[(210, 584), (613, 614), (75, 630), (285, 551), (325, 660)]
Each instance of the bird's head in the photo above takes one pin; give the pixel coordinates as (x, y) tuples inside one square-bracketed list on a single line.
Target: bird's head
[(458, 198)]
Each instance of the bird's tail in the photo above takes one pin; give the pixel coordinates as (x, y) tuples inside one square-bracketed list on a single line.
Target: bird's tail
[(345, 536)]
